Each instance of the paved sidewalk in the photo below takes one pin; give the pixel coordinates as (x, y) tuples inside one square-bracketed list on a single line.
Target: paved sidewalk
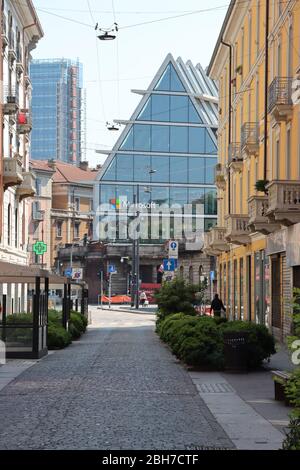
[(118, 387)]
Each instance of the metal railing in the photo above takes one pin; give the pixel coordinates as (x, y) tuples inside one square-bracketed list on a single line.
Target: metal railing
[(257, 208), (11, 95), (234, 152), (250, 134), (280, 92)]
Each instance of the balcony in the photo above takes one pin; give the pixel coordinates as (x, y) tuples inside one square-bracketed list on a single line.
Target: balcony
[(207, 248), (27, 187), (24, 122), (12, 172), (235, 157), (237, 229), (284, 201), (250, 138), (11, 100), (280, 99), (12, 55), (4, 31), (38, 215), (219, 176), (258, 220), (19, 63)]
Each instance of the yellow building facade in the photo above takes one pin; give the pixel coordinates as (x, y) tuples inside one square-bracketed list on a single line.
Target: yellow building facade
[(256, 62)]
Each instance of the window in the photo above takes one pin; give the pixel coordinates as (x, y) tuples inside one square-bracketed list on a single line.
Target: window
[(59, 225), (179, 109), (160, 107), (179, 139), (142, 167), (77, 230), (77, 204), (141, 137), (196, 140), (288, 154), (124, 167), (110, 173), (161, 165), (178, 169), (9, 224), (210, 164), (38, 185), (169, 80), (196, 170), (210, 201), (160, 139), (241, 278), (16, 228)]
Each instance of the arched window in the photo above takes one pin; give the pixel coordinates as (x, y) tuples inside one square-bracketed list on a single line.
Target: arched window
[(16, 228), (9, 224), (191, 274), (200, 273)]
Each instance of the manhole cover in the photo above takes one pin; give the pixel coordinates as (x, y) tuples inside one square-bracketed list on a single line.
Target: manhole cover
[(215, 388)]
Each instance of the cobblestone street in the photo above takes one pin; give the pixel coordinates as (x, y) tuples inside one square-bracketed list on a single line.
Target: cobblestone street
[(116, 388)]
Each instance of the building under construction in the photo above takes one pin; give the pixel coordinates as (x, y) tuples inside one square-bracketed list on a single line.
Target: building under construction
[(56, 110)]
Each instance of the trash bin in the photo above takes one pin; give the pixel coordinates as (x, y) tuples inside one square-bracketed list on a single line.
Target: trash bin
[(235, 351)]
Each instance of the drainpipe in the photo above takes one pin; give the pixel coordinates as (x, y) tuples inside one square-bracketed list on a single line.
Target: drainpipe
[(266, 88), (229, 120)]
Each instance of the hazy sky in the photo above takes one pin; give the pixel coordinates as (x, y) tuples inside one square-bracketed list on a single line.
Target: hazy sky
[(112, 68)]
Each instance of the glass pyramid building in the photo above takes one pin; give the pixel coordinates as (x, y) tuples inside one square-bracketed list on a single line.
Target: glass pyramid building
[(165, 155)]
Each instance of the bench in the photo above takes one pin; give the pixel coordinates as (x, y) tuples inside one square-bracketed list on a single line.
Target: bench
[(280, 380)]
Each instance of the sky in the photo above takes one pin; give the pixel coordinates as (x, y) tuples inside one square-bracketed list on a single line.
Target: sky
[(112, 68)]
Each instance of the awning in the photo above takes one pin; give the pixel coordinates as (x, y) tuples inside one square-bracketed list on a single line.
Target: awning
[(16, 273)]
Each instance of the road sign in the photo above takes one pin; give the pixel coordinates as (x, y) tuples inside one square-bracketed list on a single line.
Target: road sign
[(170, 264), (112, 269), (173, 249), (77, 273), (39, 248), (68, 272)]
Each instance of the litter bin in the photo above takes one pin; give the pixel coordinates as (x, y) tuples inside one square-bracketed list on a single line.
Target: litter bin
[(235, 351)]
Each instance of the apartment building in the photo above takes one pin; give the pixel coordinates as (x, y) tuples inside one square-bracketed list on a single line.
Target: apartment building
[(256, 62), (40, 213), (20, 32), (72, 208)]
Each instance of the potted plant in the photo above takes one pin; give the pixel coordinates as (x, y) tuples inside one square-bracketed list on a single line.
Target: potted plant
[(261, 186)]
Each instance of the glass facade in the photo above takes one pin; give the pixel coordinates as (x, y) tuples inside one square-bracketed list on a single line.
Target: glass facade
[(56, 110), (166, 156)]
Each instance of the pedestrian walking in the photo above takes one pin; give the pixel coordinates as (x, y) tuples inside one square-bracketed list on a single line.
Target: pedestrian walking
[(143, 298), (217, 305)]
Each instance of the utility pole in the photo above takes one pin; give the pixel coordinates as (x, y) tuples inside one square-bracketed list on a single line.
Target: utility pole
[(137, 259)]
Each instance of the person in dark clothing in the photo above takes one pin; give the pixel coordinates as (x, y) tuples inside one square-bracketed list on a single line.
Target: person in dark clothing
[(217, 305)]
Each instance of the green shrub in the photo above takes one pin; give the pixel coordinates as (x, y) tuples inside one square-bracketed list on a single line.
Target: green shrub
[(58, 337), (260, 343), (195, 340), (174, 297), (81, 319), (203, 346), (20, 318)]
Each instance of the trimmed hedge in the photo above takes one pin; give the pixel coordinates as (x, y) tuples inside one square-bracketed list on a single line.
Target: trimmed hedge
[(260, 343), (198, 341), (58, 337)]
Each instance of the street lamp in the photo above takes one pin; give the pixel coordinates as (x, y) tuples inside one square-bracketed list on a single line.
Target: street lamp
[(136, 247)]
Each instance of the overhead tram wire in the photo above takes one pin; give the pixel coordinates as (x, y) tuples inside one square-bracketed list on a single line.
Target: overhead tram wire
[(98, 63), (117, 58)]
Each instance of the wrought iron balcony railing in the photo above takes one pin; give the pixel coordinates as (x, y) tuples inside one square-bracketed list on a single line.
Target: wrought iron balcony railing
[(250, 137), (280, 103)]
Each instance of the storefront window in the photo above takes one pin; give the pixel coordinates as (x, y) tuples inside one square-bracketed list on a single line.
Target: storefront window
[(235, 291), (229, 290), (267, 300)]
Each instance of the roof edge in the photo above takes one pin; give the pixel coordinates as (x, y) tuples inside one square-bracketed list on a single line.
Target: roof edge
[(220, 37)]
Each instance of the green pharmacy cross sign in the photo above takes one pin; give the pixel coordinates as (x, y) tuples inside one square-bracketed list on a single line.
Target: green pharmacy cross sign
[(39, 248)]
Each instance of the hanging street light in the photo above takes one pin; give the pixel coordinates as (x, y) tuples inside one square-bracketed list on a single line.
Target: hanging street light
[(106, 34)]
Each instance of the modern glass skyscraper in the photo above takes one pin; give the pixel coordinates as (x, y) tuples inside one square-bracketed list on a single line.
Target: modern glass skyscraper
[(56, 110), (165, 155)]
